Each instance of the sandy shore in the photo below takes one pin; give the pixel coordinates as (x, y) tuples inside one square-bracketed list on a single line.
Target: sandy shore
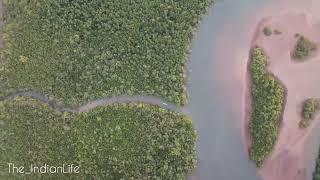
[(301, 80)]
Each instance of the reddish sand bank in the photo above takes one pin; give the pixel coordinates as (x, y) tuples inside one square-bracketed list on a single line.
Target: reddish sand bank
[(301, 80)]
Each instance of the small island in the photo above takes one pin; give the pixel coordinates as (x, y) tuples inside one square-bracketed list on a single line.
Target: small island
[(268, 96)]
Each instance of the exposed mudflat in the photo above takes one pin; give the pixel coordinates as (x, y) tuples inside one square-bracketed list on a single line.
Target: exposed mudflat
[(301, 80), (294, 155)]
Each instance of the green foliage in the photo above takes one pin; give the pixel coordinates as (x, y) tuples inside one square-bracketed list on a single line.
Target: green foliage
[(309, 110), (310, 107), (31, 133), (267, 31), (267, 106), (303, 48), (316, 173), (81, 50), (124, 141)]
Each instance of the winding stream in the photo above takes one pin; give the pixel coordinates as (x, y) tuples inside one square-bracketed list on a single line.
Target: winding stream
[(96, 103)]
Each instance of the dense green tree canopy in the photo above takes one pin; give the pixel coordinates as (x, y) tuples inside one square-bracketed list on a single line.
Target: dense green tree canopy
[(81, 50), (267, 105), (124, 141)]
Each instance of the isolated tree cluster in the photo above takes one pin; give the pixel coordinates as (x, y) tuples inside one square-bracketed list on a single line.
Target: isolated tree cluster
[(309, 110), (303, 49), (268, 97)]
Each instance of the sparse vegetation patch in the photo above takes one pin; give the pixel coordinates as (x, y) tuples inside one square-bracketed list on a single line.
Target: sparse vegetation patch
[(267, 31), (309, 111), (303, 48)]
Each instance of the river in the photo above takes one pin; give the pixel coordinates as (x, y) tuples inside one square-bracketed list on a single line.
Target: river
[(216, 102)]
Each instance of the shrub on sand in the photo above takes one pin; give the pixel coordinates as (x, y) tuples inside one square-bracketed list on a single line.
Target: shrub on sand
[(303, 48), (309, 110), (267, 31)]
